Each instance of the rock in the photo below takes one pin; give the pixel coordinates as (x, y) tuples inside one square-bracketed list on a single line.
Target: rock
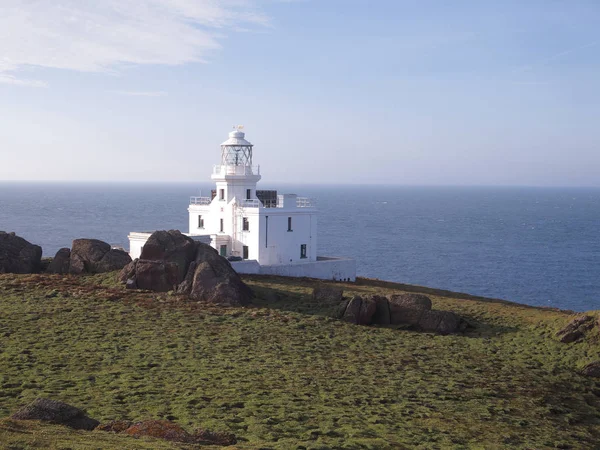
[(408, 308), (185, 287), (131, 284), (127, 272), (215, 281), (352, 313), (214, 438), (114, 259), (324, 293), (367, 310), (56, 412), (156, 276), (114, 426), (172, 247), (95, 256), (18, 255), (341, 309), (592, 370), (382, 310), (443, 322), (576, 329), (161, 429), (60, 263)]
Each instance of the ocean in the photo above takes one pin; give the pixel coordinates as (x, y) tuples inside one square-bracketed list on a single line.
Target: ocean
[(539, 246)]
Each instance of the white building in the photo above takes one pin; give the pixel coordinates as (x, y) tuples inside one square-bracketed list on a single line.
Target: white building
[(261, 232)]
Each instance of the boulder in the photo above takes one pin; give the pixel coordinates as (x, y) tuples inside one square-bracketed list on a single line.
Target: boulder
[(324, 293), (171, 247), (156, 276), (60, 263), (161, 429), (353, 310), (592, 370), (114, 426), (368, 307), (214, 438), (576, 329), (56, 412), (127, 272), (95, 256), (18, 255), (409, 300), (217, 282), (443, 322), (382, 310)]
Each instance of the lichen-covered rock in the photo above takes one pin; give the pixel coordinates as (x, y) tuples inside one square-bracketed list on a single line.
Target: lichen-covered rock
[(576, 329), (159, 276), (324, 293), (408, 309), (18, 255), (61, 262), (214, 438), (171, 247), (215, 281), (161, 429), (352, 312), (114, 426), (443, 322), (382, 310), (95, 256), (56, 412), (592, 370)]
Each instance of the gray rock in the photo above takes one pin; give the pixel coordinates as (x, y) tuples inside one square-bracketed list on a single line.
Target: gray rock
[(324, 293), (592, 370), (171, 247), (18, 255), (95, 256), (114, 259), (576, 329), (353, 310), (56, 412), (408, 309), (382, 310), (61, 262), (156, 276)]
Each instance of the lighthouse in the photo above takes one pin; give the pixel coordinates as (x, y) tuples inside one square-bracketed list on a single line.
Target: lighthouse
[(258, 231)]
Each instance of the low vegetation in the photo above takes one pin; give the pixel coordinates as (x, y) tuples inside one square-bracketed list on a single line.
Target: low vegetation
[(283, 374)]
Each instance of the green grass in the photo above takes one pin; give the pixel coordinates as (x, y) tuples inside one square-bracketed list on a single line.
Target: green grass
[(284, 375)]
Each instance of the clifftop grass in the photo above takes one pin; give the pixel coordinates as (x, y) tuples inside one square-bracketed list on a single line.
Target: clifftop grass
[(284, 375)]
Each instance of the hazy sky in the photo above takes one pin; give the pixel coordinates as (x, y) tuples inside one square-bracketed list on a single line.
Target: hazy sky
[(350, 91)]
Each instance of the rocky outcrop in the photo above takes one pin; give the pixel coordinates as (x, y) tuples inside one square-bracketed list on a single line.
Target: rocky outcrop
[(400, 309), (95, 256), (56, 412), (576, 329), (170, 247), (173, 261), (61, 262), (168, 431), (18, 255), (592, 370), (324, 293)]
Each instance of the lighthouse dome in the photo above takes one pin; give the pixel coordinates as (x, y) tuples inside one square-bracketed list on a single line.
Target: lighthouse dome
[(236, 137)]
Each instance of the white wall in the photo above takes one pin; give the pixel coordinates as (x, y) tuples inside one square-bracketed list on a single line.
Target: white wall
[(339, 269)]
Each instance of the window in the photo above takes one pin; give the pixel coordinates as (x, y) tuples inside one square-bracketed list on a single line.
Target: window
[(221, 194), (303, 251), (290, 224), (248, 194), (200, 222), (245, 224), (222, 226), (223, 251), (245, 252)]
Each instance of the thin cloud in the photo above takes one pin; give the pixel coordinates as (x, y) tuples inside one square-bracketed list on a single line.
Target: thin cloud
[(103, 36), (549, 59), (142, 93)]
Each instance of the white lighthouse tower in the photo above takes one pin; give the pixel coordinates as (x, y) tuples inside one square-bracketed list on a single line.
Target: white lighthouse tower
[(259, 231)]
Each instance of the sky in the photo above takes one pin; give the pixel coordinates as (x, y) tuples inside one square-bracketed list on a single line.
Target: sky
[(409, 92)]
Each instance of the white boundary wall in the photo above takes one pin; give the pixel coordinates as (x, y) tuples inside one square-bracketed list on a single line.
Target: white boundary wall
[(325, 268)]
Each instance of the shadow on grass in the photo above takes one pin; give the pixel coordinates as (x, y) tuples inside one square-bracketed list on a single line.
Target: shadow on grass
[(280, 298)]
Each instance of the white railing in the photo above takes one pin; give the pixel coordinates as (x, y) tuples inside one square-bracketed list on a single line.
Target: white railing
[(305, 202), (200, 200), (252, 203), (236, 170)]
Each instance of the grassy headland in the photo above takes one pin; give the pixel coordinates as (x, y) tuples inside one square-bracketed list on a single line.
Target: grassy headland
[(283, 374)]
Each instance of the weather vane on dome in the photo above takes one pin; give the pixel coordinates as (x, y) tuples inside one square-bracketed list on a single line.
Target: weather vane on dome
[(238, 127)]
